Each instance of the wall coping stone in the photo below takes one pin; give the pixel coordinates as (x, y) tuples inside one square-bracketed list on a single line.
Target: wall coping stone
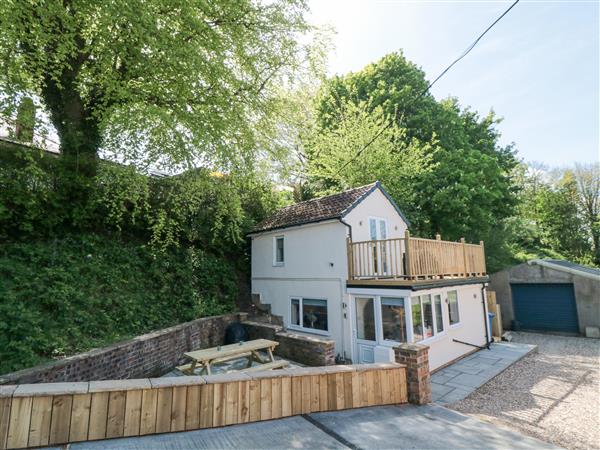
[(413, 347), (277, 373), (305, 371), (340, 368), (7, 391), (375, 366), (40, 389), (120, 385), (276, 328), (226, 377), (304, 337), (187, 380)]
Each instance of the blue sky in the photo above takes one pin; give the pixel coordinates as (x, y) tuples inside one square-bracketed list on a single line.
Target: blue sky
[(538, 68)]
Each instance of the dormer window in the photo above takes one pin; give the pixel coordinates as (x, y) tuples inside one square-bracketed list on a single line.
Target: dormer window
[(278, 251)]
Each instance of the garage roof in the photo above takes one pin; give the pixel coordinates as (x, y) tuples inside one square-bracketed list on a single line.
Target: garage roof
[(568, 266)]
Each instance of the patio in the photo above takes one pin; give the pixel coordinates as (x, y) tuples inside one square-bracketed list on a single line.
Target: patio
[(457, 381)]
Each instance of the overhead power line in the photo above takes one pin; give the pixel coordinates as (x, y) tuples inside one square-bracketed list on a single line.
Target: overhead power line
[(391, 122)]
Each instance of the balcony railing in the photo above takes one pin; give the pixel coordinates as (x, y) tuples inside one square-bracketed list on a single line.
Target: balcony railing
[(411, 258)]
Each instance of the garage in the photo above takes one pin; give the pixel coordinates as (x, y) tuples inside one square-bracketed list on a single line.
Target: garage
[(545, 307), (549, 295)]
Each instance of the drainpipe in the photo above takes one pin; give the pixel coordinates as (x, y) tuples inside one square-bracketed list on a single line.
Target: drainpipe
[(485, 316), (347, 310)]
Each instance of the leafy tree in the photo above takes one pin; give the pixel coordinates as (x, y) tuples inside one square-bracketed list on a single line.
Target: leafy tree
[(549, 220), (171, 80), (399, 165), (587, 178), (468, 190)]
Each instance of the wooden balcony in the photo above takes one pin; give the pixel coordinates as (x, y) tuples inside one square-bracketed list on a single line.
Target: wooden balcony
[(412, 259)]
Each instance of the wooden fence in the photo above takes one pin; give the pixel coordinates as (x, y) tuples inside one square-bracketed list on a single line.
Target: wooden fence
[(494, 307), (411, 258), (58, 413)]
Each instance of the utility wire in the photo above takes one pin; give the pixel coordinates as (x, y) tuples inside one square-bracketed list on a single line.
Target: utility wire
[(391, 122)]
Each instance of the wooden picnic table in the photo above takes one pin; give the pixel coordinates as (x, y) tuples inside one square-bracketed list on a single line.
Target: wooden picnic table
[(209, 356)]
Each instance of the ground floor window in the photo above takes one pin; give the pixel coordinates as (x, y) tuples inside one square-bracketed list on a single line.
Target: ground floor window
[(393, 319), (453, 312), (439, 319), (310, 313), (422, 316)]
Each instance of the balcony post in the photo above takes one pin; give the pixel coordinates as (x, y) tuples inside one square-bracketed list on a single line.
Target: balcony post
[(350, 258), (407, 254), (464, 252), (483, 268), (438, 237)]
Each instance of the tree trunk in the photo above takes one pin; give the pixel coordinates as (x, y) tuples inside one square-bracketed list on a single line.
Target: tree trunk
[(76, 127)]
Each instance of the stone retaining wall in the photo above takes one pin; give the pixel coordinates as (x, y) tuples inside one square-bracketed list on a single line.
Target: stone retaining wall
[(148, 355), (309, 350)]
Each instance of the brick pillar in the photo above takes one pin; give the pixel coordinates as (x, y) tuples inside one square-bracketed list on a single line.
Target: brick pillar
[(416, 359)]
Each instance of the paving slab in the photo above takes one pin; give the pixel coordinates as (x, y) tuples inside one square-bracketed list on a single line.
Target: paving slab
[(420, 427), (463, 377), (399, 427)]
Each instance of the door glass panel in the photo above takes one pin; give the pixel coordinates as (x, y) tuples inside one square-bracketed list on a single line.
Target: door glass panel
[(365, 318), (393, 319), (314, 313), (295, 319), (427, 316), (382, 230), (439, 319), (417, 319), (373, 229)]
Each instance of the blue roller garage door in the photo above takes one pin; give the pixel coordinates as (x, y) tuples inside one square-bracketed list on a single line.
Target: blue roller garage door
[(545, 307)]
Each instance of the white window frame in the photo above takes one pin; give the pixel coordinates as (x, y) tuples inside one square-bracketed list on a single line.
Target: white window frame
[(436, 334), (275, 262), (459, 323), (445, 321), (301, 316)]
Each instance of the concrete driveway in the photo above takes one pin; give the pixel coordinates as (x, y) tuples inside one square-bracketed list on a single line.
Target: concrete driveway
[(552, 394), (402, 427)]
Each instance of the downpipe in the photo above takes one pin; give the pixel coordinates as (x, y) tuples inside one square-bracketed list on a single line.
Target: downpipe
[(485, 317), (485, 323)]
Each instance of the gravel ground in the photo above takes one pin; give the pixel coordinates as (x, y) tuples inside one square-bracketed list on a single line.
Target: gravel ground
[(552, 394)]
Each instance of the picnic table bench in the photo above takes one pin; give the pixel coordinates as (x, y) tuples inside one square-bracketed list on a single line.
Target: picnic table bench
[(207, 357)]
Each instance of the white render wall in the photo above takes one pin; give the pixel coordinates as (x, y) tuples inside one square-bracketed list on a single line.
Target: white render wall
[(375, 205), (315, 266), (471, 328), (310, 250)]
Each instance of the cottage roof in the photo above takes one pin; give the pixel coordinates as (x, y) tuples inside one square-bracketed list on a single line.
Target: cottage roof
[(334, 206)]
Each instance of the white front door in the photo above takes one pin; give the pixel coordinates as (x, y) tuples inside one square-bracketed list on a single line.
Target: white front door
[(365, 330)]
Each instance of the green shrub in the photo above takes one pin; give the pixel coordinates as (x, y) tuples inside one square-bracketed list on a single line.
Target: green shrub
[(63, 296)]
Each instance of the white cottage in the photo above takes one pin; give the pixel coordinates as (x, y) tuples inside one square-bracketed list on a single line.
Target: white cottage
[(345, 267)]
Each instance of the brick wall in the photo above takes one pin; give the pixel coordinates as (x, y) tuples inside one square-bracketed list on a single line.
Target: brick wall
[(148, 355), (309, 350), (416, 359)]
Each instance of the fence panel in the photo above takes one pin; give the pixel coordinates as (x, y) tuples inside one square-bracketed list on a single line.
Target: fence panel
[(56, 414)]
